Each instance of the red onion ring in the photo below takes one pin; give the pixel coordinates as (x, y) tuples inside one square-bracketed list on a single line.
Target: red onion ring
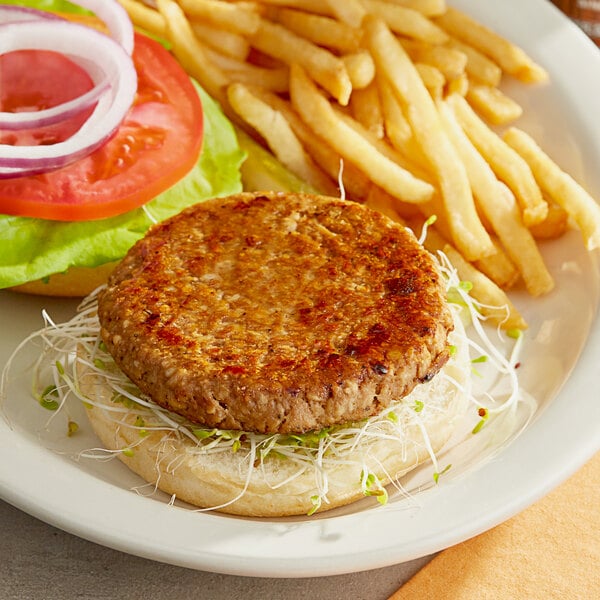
[(115, 17), (42, 118), (50, 116), (14, 14), (91, 47)]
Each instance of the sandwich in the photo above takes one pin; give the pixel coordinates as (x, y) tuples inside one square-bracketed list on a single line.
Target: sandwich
[(274, 354), (62, 229), (264, 354)]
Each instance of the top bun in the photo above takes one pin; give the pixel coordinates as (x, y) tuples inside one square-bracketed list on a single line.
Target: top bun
[(76, 282)]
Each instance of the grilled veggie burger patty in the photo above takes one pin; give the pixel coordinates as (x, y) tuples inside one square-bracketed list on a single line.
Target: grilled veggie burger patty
[(276, 313)]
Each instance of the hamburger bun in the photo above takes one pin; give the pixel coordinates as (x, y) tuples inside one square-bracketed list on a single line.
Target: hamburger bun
[(225, 481), (76, 282), (314, 323)]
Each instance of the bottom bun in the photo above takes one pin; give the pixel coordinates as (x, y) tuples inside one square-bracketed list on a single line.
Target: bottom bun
[(76, 282), (239, 482)]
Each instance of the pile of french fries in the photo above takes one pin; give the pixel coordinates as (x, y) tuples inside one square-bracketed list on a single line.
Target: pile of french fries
[(396, 104)]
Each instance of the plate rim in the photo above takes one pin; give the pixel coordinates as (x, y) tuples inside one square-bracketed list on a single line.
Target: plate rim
[(535, 478)]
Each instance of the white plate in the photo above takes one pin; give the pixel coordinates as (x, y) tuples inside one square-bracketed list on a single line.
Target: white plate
[(559, 366)]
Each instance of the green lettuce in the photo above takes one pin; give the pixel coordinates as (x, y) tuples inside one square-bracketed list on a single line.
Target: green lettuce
[(33, 249), (52, 5)]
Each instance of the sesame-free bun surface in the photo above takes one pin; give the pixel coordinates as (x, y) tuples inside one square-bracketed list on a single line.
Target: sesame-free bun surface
[(176, 464)]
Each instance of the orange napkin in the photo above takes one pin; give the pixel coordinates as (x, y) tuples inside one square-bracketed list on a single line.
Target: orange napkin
[(550, 550)]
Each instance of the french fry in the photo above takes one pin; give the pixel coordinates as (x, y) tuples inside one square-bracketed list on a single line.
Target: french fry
[(320, 30), (350, 12), (560, 186), (479, 66), (432, 78), (397, 128), (499, 268), (226, 42), (429, 8), (380, 200), (449, 61), (261, 170), (406, 21), (360, 67), (493, 104), (276, 131), (553, 226), (494, 303), (316, 111), (190, 52), (145, 17), (459, 86), (467, 231), (312, 6), (365, 106), (506, 162), (355, 182), (507, 55), (275, 79), (407, 161), (224, 15), (326, 69), (498, 204)]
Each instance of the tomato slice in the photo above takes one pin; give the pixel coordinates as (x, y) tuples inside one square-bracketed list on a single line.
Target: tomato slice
[(157, 144), (22, 89)]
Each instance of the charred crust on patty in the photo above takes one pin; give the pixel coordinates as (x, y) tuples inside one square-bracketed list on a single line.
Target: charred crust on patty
[(276, 313)]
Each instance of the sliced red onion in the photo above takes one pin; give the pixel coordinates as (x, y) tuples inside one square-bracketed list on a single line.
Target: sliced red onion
[(113, 15), (15, 14), (88, 46), (14, 121), (115, 18), (42, 118)]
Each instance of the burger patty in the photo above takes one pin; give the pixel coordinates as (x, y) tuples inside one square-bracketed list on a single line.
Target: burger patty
[(274, 312)]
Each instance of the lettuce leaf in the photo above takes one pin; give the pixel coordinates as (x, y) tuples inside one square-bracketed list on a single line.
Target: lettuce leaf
[(51, 5), (32, 249)]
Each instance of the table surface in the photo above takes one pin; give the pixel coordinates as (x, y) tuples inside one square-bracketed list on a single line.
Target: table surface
[(40, 561)]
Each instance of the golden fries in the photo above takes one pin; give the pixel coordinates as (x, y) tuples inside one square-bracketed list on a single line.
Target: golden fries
[(479, 67), (396, 103), (430, 8), (274, 128), (274, 79), (326, 68), (238, 18), (560, 186), (360, 67), (393, 62), (316, 111), (226, 42), (320, 30), (492, 104), (365, 106), (449, 61), (495, 304), (507, 163), (190, 52), (406, 21), (145, 17), (508, 56), (350, 12), (498, 204)]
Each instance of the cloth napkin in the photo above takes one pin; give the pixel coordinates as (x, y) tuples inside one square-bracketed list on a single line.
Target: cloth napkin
[(550, 550)]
